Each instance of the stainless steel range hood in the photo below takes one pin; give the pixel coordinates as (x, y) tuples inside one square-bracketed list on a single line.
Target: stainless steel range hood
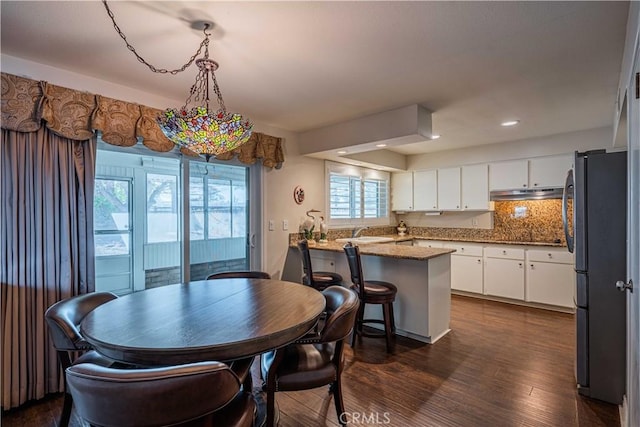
[(526, 194)]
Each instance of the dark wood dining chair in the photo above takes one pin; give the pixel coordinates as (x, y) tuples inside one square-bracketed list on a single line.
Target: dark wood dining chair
[(316, 279), (371, 292), (63, 319), (239, 275), (241, 367), (316, 359), (196, 394)]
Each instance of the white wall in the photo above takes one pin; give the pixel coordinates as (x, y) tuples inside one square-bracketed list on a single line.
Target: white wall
[(536, 147)]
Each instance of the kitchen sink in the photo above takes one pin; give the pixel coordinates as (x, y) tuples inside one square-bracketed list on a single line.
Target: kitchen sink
[(365, 239)]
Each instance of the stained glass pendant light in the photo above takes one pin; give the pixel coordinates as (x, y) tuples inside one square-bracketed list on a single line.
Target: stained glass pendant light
[(195, 126), (199, 129)]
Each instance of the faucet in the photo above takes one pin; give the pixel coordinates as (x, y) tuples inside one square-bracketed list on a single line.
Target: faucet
[(357, 231)]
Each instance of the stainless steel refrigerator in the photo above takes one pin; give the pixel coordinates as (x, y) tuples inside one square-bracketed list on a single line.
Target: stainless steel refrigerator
[(598, 187)]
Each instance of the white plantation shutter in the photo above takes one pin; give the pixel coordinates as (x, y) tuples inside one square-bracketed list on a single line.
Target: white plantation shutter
[(357, 195)]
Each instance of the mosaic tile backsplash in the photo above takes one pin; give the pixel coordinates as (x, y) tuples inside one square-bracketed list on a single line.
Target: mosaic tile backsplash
[(516, 221)]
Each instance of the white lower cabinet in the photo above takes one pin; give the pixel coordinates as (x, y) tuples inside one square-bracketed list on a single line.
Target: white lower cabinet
[(504, 272), (466, 267), (550, 277), (541, 275)]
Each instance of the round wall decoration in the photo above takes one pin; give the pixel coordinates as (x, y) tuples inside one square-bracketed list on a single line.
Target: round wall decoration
[(298, 195)]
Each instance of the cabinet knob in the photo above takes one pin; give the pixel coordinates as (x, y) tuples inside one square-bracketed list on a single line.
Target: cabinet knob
[(434, 206), (465, 206), (461, 249), (535, 184), (550, 256), (524, 185), (532, 266), (457, 206), (479, 261), (504, 252), (520, 264)]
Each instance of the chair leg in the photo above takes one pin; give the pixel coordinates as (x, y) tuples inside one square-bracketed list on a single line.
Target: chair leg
[(388, 325), (357, 327), (270, 407), (337, 399), (247, 384), (393, 319), (66, 410)]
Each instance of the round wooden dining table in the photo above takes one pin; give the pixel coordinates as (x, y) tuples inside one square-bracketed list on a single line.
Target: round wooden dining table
[(223, 319)]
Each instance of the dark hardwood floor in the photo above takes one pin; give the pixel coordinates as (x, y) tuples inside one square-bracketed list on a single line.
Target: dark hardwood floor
[(501, 365)]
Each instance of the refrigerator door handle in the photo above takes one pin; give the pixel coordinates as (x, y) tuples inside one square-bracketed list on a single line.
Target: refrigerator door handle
[(566, 193)]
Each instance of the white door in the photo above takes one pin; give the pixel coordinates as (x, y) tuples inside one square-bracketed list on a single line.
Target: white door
[(466, 273), (425, 190), (504, 278), (633, 249), (402, 191), (113, 235), (449, 189), (475, 187)]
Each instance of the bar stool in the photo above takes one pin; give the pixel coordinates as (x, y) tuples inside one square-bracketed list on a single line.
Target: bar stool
[(319, 280), (371, 292)]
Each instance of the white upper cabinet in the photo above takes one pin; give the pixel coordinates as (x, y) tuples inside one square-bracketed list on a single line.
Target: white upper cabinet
[(541, 172), (475, 187), (508, 175), (449, 189), (402, 191), (548, 172), (425, 190)]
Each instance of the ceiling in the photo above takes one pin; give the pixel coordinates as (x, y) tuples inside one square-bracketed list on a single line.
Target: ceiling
[(298, 66)]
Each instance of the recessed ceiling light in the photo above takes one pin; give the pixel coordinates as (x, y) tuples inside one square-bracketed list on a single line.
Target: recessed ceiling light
[(510, 123), (435, 136), (342, 152), (381, 145)]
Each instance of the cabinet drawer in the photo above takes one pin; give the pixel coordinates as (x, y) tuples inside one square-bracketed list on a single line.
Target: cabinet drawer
[(428, 243), (550, 255), (469, 249), (506, 253)]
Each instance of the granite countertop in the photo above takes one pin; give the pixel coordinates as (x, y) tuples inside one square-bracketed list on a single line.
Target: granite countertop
[(408, 237), (499, 242), (388, 250)]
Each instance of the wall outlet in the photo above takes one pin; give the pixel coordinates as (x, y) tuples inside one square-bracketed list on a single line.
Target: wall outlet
[(285, 225), (272, 225), (474, 222)]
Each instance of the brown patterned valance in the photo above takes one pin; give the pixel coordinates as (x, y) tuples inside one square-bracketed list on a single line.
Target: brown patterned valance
[(75, 115), (20, 103)]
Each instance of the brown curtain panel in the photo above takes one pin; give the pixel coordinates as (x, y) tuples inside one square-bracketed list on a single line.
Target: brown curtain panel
[(47, 252)]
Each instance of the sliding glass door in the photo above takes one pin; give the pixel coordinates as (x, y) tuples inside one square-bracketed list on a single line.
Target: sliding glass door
[(143, 239), (113, 235), (219, 219)]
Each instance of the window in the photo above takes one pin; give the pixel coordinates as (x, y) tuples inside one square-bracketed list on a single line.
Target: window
[(221, 211), (357, 195), (162, 208)]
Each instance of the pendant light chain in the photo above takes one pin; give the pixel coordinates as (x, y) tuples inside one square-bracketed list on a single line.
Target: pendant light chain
[(204, 43)]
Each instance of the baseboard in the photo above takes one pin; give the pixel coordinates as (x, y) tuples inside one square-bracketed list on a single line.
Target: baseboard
[(515, 302)]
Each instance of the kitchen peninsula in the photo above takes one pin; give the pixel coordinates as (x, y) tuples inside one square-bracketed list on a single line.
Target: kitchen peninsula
[(422, 276)]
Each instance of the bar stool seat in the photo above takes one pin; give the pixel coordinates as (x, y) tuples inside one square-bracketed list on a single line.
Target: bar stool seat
[(378, 289), (319, 280), (371, 292)]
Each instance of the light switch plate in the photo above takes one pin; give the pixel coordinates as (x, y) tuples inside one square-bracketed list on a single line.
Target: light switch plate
[(285, 225), (272, 225)]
